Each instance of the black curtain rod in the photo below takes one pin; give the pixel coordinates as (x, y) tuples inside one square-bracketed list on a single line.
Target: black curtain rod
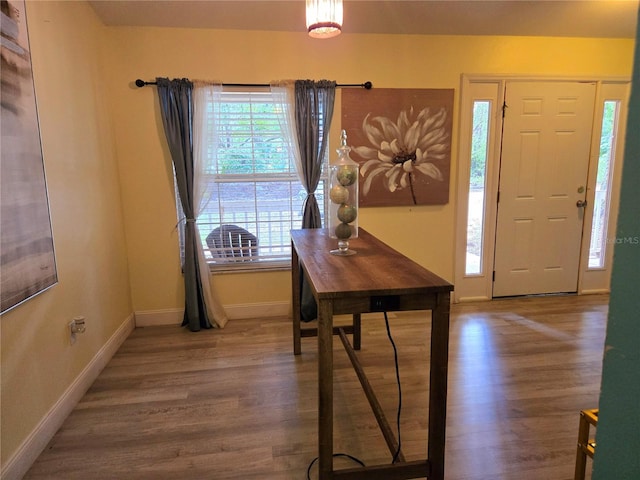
[(365, 85)]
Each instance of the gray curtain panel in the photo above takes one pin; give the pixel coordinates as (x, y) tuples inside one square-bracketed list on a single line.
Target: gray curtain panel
[(176, 106), (313, 111)]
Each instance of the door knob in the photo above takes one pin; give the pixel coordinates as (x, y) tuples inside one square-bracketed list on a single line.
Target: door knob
[(581, 203)]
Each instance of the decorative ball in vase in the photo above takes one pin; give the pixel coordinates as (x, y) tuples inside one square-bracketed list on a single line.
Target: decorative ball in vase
[(343, 193)]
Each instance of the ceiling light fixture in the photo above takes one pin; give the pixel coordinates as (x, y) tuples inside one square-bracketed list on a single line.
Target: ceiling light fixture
[(324, 18)]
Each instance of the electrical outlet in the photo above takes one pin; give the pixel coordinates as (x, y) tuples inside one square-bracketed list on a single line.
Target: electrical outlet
[(76, 326), (72, 338)]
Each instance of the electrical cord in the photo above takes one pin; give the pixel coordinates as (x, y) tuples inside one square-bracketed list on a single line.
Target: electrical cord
[(398, 415), (357, 460), (395, 358)]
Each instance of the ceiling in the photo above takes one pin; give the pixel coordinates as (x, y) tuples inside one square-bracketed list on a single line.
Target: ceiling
[(564, 18)]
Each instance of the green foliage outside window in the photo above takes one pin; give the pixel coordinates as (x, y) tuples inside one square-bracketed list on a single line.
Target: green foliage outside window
[(252, 142), (479, 139), (606, 138)]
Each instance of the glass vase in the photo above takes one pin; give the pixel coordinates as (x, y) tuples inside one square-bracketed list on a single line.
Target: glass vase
[(343, 195)]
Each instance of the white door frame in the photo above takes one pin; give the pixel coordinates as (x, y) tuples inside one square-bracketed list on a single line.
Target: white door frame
[(491, 87)]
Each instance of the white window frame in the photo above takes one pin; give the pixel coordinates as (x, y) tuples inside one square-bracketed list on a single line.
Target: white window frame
[(477, 286), (293, 214), (597, 279)]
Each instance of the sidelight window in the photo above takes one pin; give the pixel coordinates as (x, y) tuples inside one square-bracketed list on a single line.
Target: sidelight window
[(602, 201), (477, 186)]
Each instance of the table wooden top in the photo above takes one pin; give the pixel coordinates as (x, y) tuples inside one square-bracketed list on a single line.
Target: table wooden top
[(376, 269)]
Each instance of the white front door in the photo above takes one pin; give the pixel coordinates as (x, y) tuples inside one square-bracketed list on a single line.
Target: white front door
[(543, 177)]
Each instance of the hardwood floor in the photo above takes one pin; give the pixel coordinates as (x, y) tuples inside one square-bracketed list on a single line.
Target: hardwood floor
[(237, 404)]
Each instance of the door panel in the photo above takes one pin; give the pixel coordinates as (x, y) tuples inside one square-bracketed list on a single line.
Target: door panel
[(543, 173)]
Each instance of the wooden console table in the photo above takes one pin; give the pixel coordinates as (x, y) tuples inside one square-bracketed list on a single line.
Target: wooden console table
[(376, 279)]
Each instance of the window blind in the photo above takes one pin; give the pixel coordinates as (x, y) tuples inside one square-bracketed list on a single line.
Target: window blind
[(251, 183)]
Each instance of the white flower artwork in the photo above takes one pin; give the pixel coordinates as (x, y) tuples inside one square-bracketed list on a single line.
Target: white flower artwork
[(404, 156)]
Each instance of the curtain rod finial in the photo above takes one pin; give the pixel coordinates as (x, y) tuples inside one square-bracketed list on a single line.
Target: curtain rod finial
[(140, 83), (367, 85)]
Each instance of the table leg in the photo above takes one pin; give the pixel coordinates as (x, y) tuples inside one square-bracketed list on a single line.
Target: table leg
[(438, 385), (325, 389), (295, 299)]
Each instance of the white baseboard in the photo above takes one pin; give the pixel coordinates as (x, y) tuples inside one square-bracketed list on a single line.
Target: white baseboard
[(595, 291), (472, 299), (18, 465), (152, 318), (258, 310)]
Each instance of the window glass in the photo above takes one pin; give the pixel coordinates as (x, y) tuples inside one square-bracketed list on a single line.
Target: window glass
[(600, 221), (252, 184), (477, 182)]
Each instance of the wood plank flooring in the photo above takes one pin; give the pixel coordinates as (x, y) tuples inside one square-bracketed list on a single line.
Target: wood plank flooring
[(237, 404)]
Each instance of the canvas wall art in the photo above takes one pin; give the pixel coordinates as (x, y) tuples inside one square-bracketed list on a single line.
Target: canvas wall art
[(27, 261), (401, 138)]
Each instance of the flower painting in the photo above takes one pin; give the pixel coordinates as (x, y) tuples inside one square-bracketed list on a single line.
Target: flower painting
[(401, 138)]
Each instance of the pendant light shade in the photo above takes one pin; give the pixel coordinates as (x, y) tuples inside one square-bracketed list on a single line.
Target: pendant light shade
[(324, 18)]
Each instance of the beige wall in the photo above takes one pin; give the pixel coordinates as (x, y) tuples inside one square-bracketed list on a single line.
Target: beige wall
[(38, 362), (103, 142), (425, 234)]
